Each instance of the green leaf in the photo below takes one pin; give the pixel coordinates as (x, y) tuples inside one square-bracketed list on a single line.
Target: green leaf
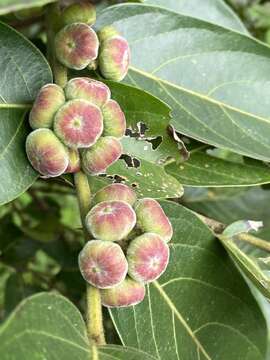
[(113, 352), (205, 170), (149, 177), (141, 107), (8, 6), (48, 326), (147, 180), (23, 71), (215, 11), (215, 80), (199, 298)]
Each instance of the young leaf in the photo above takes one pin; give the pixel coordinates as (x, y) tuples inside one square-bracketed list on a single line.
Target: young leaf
[(200, 297), (215, 11), (8, 6), (215, 80), (49, 326), (253, 261), (23, 71), (205, 170)]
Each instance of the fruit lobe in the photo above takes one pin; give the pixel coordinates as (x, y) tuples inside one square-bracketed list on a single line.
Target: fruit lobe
[(102, 264), (78, 124), (119, 192), (127, 293), (151, 218), (81, 11), (110, 220), (113, 119), (88, 89), (101, 155), (46, 153), (49, 99), (148, 257), (76, 45), (114, 58)]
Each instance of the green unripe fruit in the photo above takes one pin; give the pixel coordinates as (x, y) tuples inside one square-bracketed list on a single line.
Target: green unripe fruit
[(76, 45), (74, 163), (127, 293), (78, 124), (110, 220), (46, 153), (101, 155), (49, 99), (103, 264), (88, 89), (148, 257), (114, 57), (81, 11), (120, 192), (151, 218), (114, 120)]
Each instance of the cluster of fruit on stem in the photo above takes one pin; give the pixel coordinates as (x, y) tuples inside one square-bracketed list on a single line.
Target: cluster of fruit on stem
[(129, 248), (75, 127), (77, 46), (79, 128)]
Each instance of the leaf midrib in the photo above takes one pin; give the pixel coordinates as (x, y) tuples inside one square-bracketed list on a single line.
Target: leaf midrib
[(181, 319)]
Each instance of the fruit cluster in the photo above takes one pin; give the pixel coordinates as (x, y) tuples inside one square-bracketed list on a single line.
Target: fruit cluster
[(80, 126), (77, 46), (76, 125), (129, 248)]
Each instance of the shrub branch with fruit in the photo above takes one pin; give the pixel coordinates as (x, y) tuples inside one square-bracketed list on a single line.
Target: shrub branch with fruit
[(134, 147), (76, 129)]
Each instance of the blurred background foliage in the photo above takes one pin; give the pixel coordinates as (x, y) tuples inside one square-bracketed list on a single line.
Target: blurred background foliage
[(40, 232)]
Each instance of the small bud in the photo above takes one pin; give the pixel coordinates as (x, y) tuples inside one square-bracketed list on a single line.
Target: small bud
[(78, 124), (151, 218), (76, 45), (79, 12), (88, 89), (46, 153), (49, 99), (102, 264), (120, 192), (93, 65), (100, 156), (74, 161), (127, 293), (114, 58), (114, 120), (148, 257), (110, 220), (107, 32)]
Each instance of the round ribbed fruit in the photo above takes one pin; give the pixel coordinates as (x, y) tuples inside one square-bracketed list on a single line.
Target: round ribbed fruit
[(102, 264), (78, 124), (110, 220)]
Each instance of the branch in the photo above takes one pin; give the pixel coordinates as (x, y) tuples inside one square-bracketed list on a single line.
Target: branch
[(218, 228), (94, 321)]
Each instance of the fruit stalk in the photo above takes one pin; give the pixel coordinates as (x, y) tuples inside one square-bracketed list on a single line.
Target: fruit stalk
[(94, 322), (93, 302)]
